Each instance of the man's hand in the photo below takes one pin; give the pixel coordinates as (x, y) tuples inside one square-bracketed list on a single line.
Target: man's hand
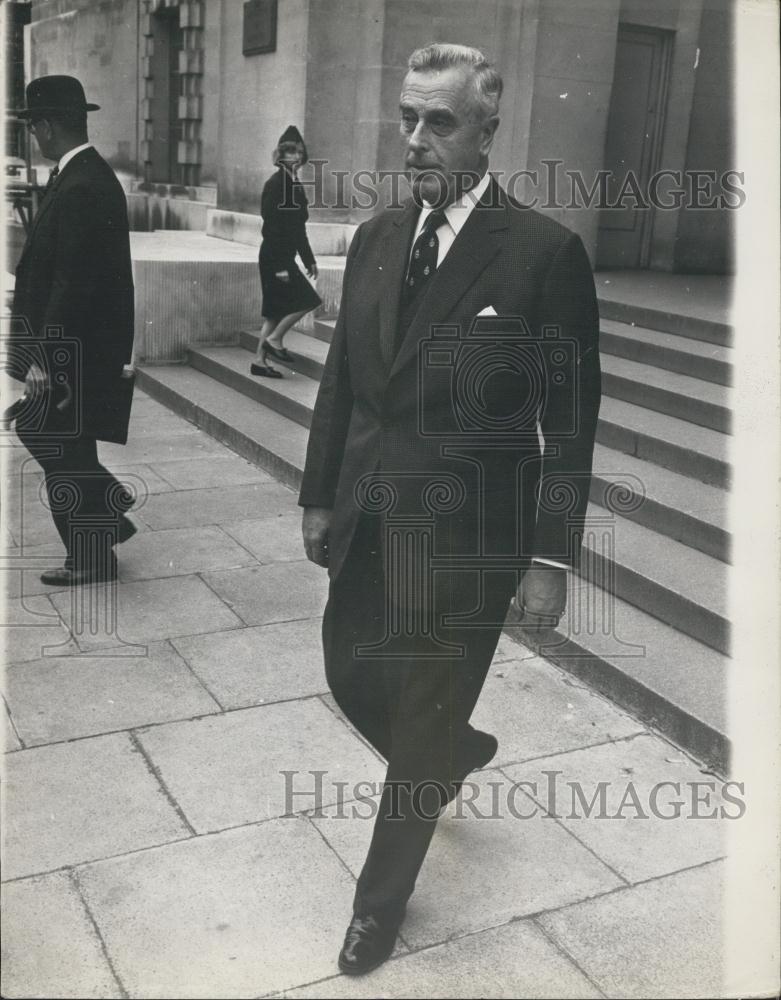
[(542, 596), (283, 276), (36, 382), (314, 526), (312, 271)]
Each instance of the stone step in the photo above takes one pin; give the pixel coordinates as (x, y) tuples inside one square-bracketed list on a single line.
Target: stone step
[(323, 328), (257, 433), (292, 396), (674, 444), (680, 592), (656, 383), (310, 353), (681, 396), (675, 682), (667, 321), (683, 447), (668, 351), (671, 504), (676, 584), (684, 318), (666, 391)]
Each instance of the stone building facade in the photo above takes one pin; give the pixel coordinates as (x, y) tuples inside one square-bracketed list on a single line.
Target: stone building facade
[(593, 88)]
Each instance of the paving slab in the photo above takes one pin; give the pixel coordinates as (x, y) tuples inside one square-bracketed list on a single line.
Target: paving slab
[(270, 540), (30, 626), (210, 917), (179, 552), (50, 948), (9, 738), (31, 521), (160, 448), (510, 649), (535, 709), (516, 960), (267, 663), (149, 610), (141, 477), (218, 505), (660, 939), (226, 770), (76, 802), (275, 593), (62, 698), (482, 870), (637, 841), (219, 470)]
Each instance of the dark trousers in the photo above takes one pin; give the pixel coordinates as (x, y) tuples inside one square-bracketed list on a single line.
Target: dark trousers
[(413, 709), (83, 496)]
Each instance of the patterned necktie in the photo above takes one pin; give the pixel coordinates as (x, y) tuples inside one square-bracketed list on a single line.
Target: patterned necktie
[(423, 260)]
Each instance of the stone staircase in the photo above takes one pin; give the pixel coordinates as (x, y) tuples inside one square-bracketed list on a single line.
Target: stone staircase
[(658, 646)]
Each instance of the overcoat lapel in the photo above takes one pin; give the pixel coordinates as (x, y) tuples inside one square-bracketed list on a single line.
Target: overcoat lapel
[(481, 238), (51, 194), (394, 269), (43, 208)]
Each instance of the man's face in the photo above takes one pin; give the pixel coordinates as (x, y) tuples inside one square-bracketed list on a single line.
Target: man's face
[(42, 130), (446, 131)]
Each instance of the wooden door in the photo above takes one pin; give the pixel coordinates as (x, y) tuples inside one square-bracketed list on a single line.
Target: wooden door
[(634, 133)]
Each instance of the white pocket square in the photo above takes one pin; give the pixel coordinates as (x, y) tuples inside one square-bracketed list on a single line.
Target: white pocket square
[(488, 311)]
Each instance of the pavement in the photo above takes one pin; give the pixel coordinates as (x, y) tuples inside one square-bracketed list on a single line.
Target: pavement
[(181, 816)]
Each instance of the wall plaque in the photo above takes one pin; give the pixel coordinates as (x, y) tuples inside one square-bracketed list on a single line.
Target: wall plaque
[(260, 27)]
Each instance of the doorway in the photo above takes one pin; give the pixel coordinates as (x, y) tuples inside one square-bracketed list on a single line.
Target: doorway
[(634, 134), (164, 111)]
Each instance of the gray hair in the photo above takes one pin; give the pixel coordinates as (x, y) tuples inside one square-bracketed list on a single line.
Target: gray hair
[(443, 55)]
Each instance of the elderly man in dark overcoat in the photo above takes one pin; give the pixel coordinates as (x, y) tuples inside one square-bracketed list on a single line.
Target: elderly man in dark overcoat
[(448, 463)]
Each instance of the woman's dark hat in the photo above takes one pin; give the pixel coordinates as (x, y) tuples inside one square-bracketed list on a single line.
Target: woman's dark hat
[(52, 94), (291, 136)]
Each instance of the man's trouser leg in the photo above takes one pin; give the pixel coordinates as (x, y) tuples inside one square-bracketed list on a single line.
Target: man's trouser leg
[(415, 712), (429, 748), (79, 491)]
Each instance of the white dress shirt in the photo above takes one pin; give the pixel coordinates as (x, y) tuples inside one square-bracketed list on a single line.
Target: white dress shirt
[(456, 216), (67, 157)]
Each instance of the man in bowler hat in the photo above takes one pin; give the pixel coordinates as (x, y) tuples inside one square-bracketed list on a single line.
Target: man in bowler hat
[(73, 333), (468, 327)]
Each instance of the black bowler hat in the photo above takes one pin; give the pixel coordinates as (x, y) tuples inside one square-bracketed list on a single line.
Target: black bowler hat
[(52, 94)]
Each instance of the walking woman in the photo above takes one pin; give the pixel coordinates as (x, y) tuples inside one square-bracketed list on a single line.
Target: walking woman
[(287, 295)]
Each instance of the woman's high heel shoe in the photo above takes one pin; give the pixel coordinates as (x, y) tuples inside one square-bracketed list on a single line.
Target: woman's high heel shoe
[(265, 369), (280, 353)]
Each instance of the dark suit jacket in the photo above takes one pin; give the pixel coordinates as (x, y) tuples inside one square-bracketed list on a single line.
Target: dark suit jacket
[(395, 415), (75, 273), (283, 206)]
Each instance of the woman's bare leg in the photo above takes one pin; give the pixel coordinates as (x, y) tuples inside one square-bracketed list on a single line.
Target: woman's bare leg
[(266, 330), (279, 331)]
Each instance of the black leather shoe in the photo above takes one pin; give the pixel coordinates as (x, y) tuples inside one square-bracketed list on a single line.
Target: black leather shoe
[(64, 577), (126, 530), (265, 371), (279, 353), (481, 751), (368, 943)]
